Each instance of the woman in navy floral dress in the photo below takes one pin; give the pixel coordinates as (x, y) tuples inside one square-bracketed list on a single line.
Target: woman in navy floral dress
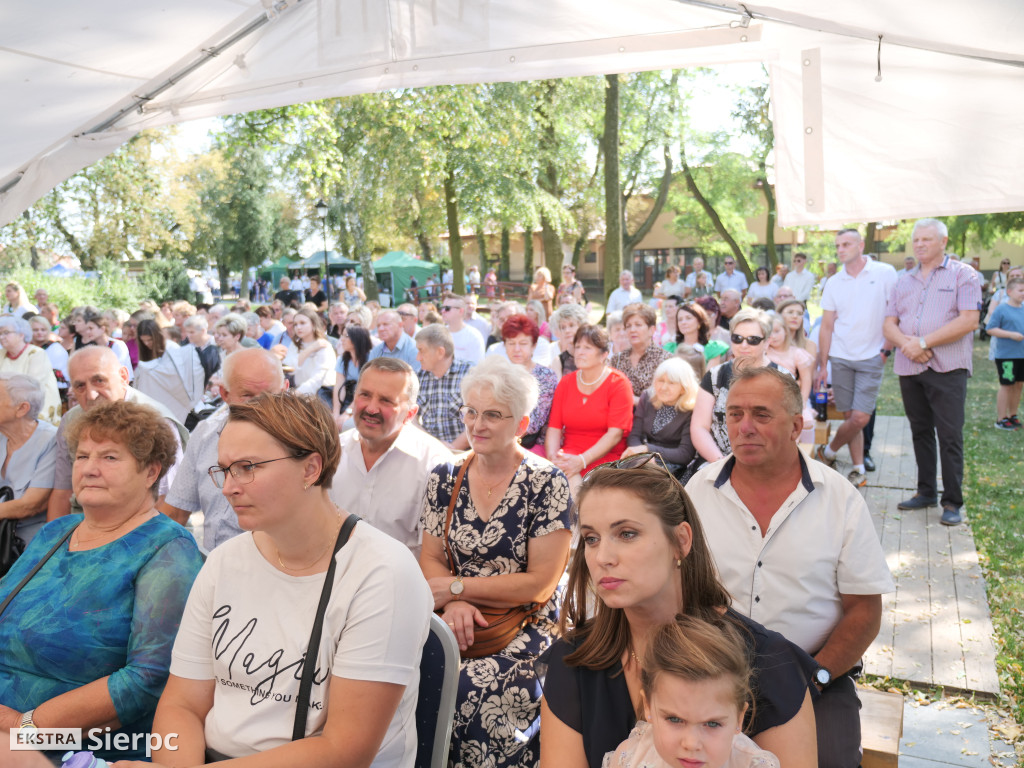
[(509, 540)]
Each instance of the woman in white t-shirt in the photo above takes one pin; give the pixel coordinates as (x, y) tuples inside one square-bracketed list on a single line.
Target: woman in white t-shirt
[(238, 656)]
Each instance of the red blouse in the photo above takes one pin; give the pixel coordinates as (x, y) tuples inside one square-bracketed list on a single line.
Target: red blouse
[(584, 423)]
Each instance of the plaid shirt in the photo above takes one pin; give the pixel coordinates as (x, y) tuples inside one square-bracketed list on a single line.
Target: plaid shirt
[(439, 402), (921, 306)]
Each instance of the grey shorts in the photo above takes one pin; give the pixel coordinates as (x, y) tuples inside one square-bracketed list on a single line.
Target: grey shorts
[(855, 383)]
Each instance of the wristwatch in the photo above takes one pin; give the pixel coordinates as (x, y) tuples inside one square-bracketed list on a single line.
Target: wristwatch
[(922, 342), (822, 677), (456, 588), (26, 720)]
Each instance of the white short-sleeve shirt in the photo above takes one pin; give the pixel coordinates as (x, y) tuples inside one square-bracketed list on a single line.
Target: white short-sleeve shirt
[(247, 625), (821, 544), (859, 303)]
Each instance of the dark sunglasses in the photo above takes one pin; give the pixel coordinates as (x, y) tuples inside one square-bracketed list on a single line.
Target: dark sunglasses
[(751, 340)]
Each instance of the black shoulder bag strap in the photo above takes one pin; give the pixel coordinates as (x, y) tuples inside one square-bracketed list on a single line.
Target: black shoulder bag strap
[(35, 569), (309, 664)]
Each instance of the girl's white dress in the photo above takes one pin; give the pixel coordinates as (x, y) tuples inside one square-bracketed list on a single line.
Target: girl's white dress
[(638, 751)]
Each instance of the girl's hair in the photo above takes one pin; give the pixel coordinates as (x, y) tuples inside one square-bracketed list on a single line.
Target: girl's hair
[(157, 346), (694, 357), (798, 335), (601, 633), (696, 650), (359, 338), (703, 322)]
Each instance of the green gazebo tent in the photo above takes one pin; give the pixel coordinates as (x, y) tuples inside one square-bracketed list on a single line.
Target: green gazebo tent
[(400, 267)]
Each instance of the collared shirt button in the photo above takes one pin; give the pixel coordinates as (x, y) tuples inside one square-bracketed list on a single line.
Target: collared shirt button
[(758, 563), (757, 599)]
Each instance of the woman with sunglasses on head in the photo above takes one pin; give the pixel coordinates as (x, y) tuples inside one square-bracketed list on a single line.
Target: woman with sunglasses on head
[(592, 410), (496, 538), (750, 330), (642, 560), (234, 689)]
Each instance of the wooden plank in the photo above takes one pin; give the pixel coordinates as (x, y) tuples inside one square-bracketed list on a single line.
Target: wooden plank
[(975, 620), (881, 726), (912, 658), (947, 643)]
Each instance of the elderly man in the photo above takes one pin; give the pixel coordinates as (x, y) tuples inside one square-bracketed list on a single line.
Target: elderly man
[(247, 373), (800, 279), (691, 279), (393, 340), (730, 278), (794, 544), (930, 320), (851, 339), (386, 459), (441, 387), (97, 377), (730, 302), (624, 295), (469, 343), (409, 316)]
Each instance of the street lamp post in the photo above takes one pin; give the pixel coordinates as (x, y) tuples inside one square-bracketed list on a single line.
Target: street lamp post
[(321, 211)]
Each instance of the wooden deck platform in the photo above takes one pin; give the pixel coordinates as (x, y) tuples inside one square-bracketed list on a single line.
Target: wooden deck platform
[(936, 628)]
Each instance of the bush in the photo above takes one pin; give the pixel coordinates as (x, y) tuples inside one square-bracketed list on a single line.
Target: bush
[(109, 291)]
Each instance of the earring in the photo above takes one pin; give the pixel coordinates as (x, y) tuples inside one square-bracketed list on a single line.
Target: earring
[(305, 487), (679, 562)]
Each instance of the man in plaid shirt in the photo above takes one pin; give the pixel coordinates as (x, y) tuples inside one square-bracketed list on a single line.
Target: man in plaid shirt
[(441, 386)]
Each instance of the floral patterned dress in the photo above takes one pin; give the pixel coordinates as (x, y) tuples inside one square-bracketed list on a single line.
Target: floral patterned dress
[(497, 712)]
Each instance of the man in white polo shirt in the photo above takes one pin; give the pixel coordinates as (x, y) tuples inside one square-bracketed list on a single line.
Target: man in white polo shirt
[(794, 544), (852, 340), (801, 280), (731, 278), (469, 343)]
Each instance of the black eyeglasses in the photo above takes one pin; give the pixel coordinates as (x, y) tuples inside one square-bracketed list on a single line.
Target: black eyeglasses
[(751, 340), (243, 471)]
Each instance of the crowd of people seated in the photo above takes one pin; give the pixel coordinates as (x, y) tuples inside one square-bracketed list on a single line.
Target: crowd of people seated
[(223, 510)]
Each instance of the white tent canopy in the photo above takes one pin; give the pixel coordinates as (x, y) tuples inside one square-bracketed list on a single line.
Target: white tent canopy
[(937, 135)]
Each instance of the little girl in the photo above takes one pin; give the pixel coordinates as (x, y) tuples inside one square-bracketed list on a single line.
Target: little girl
[(696, 685)]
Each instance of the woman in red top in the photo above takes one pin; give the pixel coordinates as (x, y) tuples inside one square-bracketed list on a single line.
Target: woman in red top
[(592, 411)]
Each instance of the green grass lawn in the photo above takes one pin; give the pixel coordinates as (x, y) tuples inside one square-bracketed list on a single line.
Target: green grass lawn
[(994, 499)]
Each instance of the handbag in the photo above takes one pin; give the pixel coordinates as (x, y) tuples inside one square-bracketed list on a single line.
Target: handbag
[(11, 544), (502, 624)]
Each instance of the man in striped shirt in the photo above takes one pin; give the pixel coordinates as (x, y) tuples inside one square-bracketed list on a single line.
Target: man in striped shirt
[(930, 320)]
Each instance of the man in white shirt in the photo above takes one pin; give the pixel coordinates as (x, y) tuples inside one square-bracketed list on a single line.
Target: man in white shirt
[(851, 339), (698, 267), (794, 544), (469, 344), (473, 319), (386, 459), (624, 295), (731, 278), (799, 279)]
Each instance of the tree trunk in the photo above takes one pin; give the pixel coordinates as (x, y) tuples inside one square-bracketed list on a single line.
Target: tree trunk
[(716, 220), (451, 208), (528, 254), (612, 189), (548, 180), (32, 250), (481, 246), (224, 275), (506, 254), (577, 250), (243, 283), (870, 237), (552, 242), (85, 259), (772, 216), (629, 241)]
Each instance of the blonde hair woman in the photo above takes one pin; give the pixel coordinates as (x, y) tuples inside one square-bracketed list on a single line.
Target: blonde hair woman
[(661, 423), (542, 290)]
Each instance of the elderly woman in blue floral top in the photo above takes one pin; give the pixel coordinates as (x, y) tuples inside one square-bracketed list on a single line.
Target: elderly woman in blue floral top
[(508, 539)]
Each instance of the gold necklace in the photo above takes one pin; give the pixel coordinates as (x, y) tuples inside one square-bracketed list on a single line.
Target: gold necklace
[(103, 531), (330, 543), (633, 654), (500, 481)]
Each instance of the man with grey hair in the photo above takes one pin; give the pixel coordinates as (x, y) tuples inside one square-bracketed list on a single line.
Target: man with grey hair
[(730, 278), (409, 315), (730, 301), (97, 377), (440, 387), (386, 459), (393, 340), (625, 294), (247, 373), (196, 333), (691, 279), (930, 321), (794, 544)]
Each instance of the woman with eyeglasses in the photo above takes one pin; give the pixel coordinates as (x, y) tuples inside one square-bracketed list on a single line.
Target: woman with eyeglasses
[(86, 642), (496, 538), (19, 355), (642, 560), (239, 656), (592, 411), (750, 330)]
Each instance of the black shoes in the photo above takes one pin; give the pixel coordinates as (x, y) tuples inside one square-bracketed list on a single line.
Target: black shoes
[(918, 502), (869, 463)]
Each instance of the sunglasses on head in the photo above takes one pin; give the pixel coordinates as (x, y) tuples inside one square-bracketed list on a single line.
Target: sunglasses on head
[(751, 340)]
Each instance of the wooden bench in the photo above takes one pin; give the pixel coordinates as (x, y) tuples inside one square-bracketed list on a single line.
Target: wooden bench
[(881, 726)]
